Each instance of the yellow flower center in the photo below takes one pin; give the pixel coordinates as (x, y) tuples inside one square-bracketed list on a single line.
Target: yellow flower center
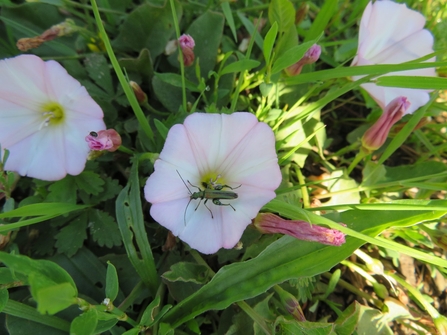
[(211, 180), (52, 114)]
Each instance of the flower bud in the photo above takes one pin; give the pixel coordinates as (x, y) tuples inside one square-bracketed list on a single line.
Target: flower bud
[(268, 223), (187, 44), (375, 136), (186, 41), (290, 303), (311, 56), (139, 94), (108, 140)]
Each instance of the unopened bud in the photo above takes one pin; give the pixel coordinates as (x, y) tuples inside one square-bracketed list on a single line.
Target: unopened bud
[(139, 94), (310, 57), (290, 303), (187, 44), (108, 140), (377, 134), (268, 223)]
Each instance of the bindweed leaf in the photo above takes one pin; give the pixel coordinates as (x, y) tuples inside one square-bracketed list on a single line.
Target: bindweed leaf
[(149, 27), (282, 13), (99, 71), (240, 65), (84, 324), (188, 272), (112, 284), (269, 41), (4, 296)]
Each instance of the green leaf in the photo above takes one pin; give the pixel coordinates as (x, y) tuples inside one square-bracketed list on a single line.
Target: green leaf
[(129, 215), (149, 27), (176, 80), (251, 29), (54, 298), (143, 65), (4, 297), (188, 272), (417, 82), (162, 129), (342, 72), (148, 316), (347, 321), (291, 56), (240, 65), (269, 41), (42, 209), (104, 229), (112, 284), (283, 13), (293, 327), (225, 5), (90, 182), (320, 23), (25, 312), (289, 258), (85, 323), (51, 286), (71, 238), (98, 69), (63, 190)]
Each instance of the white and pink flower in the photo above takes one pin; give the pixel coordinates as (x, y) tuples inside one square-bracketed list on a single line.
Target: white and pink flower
[(391, 33), (45, 115), (209, 151)]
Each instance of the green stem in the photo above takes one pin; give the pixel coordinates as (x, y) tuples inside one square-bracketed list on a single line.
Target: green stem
[(129, 300), (122, 79), (254, 316), (361, 154), (182, 66)]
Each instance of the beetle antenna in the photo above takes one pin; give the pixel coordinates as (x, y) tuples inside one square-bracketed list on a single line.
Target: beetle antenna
[(185, 185), (184, 214)]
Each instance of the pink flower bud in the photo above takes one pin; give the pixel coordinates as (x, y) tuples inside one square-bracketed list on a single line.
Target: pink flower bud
[(311, 56), (187, 45), (290, 303), (186, 41), (268, 223), (375, 136), (108, 140)]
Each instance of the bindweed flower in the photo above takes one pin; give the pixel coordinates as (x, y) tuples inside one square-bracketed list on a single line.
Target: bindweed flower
[(376, 135), (212, 177), (268, 223), (108, 140), (310, 57), (187, 46), (44, 116), (391, 33)]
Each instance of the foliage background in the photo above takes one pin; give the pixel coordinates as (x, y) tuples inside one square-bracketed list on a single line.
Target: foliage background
[(72, 243)]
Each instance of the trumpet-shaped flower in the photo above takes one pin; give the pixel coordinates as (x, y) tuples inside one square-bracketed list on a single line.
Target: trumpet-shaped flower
[(212, 177), (45, 115), (391, 33)]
